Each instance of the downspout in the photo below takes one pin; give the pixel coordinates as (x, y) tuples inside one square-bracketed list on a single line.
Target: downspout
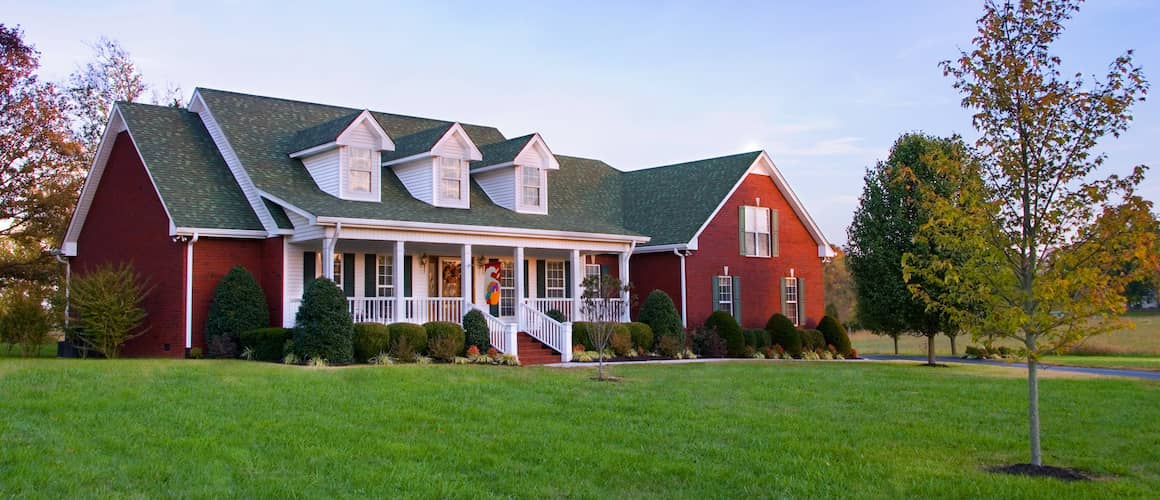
[(684, 317), (67, 284), (189, 293)]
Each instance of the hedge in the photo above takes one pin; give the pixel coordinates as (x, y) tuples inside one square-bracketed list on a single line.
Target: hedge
[(441, 329), (835, 335), (783, 333), (267, 344), (729, 331), (415, 334), (813, 340), (580, 333), (642, 336), (370, 339)]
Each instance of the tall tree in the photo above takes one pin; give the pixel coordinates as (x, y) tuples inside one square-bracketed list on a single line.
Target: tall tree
[(883, 230), (841, 297), (39, 168), (109, 77), (1042, 230)]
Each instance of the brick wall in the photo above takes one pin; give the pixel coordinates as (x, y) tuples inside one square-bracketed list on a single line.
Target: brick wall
[(214, 257), (655, 271)]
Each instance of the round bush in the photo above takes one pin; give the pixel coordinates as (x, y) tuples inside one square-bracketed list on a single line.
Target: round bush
[(783, 333), (415, 335), (477, 331), (268, 344), (370, 339), (729, 331), (580, 334), (324, 328), (445, 329), (238, 305), (660, 314), (813, 340), (760, 338), (642, 336), (835, 335)]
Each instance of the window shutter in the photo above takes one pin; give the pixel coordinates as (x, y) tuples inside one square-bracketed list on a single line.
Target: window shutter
[(527, 290), (716, 294), (370, 275), (801, 284), (541, 279), (309, 271), (604, 270), (348, 274), (773, 230), (781, 281), (407, 276), (737, 299), (741, 229), (568, 291)]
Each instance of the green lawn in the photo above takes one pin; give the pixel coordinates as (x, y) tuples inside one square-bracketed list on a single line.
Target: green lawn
[(206, 428)]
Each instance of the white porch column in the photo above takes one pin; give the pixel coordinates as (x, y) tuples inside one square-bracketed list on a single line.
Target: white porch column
[(625, 314), (577, 279), (518, 262), (465, 272), (328, 258), (397, 282)]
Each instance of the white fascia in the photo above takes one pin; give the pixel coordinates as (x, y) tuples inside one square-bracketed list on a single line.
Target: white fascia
[(314, 150), (385, 142), (485, 230), (219, 233), (662, 248)]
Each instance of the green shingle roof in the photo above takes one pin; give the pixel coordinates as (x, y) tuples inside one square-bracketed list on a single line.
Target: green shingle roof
[(192, 178), (419, 142), (670, 203), (501, 152), (321, 134), (279, 214)]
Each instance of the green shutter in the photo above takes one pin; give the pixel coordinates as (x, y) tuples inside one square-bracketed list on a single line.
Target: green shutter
[(737, 299), (348, 274), (527, 289), (741, 229), (406, 276), (604, 271), (568, 280), (370, 275), (801, 301), (309, 269), (781, 281), (541, 279), (773, 230), (716, 295)]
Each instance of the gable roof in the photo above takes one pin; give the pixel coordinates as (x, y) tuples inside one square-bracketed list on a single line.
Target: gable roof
[(670, 203), (322, 133), (501, 152), (417, 143)]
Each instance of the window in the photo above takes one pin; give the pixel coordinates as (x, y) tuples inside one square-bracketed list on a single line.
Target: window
[(791, 300), (450, 179), (725, 294), (507, 289), (359, 174), (594, 270), (384, 276), (338, 269), (531, 186), (756, 235), (554, 279)]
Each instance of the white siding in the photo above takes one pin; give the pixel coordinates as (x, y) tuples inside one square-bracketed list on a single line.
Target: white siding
[(534, 156), (418, 176), (292, 281), (419, 277), (324, 168), (500, 186), (361, 136)]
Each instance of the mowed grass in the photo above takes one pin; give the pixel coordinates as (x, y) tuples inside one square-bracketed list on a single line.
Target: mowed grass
[(1131, 348), (824, 429)]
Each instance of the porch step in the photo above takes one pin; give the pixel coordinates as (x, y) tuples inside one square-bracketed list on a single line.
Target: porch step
[(534, 352)]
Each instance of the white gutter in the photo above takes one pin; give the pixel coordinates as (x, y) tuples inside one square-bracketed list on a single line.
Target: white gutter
[(684, 316), (434, 227), (189, 291), (60, 257)]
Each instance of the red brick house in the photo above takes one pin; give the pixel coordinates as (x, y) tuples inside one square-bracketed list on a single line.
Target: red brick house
[(414, 218)]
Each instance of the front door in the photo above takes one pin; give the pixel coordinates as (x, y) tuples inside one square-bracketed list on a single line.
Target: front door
[(450, 277)]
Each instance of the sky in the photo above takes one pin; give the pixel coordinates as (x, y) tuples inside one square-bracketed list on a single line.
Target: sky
[(824, 88)]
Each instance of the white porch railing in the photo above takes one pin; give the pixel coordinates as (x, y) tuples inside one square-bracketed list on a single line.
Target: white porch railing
[(502, 335), (371, 309), (542, 327), (422, 310), (564, 305), (603, 310)]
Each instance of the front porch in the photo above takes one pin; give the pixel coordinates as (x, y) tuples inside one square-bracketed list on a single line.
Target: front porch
[(431, 279)]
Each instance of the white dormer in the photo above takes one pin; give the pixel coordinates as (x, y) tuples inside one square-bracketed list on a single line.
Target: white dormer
[(433, 165), (514, 173), (347, 166)]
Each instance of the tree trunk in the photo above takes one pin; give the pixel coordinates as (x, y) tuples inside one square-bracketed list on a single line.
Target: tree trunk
[(895, 337), (954, 345), (1033, 410), (600, 366), (930, 358)]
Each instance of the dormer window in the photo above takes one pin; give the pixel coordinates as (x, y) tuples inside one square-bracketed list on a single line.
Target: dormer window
[(532, 192), (450, 179), (361, 170)]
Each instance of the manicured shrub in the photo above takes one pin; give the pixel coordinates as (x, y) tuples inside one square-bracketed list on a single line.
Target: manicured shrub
[(729, 331), (414, 335), (580, 334), (660, 314), (437, 330), (476, 329), (642, 336), (444, 348), (266, 344), (813, 340), (760, 338), (783, 333), (370, 340), (707, 343), (621, 342), (835, 334), (238, 306), (670, 346), (107, 302), (324, 329), (556, 315)]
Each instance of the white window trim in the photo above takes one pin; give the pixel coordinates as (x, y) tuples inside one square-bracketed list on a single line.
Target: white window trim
[(346, 161), (438, 163), (555, 292), (338, 263), (507, 294), (754, 215), (791, 284), (382, 262), (725, 284), (542, 207)]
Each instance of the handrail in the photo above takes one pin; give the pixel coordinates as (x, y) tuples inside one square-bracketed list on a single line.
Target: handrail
[(501, 335), (542, 327)]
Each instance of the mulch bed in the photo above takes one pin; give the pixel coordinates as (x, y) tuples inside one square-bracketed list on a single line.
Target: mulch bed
[(1061, 473)]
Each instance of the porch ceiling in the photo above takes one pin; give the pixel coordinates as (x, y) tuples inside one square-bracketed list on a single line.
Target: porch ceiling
[(445, 249)]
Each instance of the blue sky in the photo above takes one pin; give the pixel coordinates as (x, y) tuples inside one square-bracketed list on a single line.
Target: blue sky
[(824, 88)]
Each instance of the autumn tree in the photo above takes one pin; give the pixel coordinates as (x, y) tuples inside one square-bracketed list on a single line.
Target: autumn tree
[(889, 215), (1042, 229), (39, 165), (841, 297)]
